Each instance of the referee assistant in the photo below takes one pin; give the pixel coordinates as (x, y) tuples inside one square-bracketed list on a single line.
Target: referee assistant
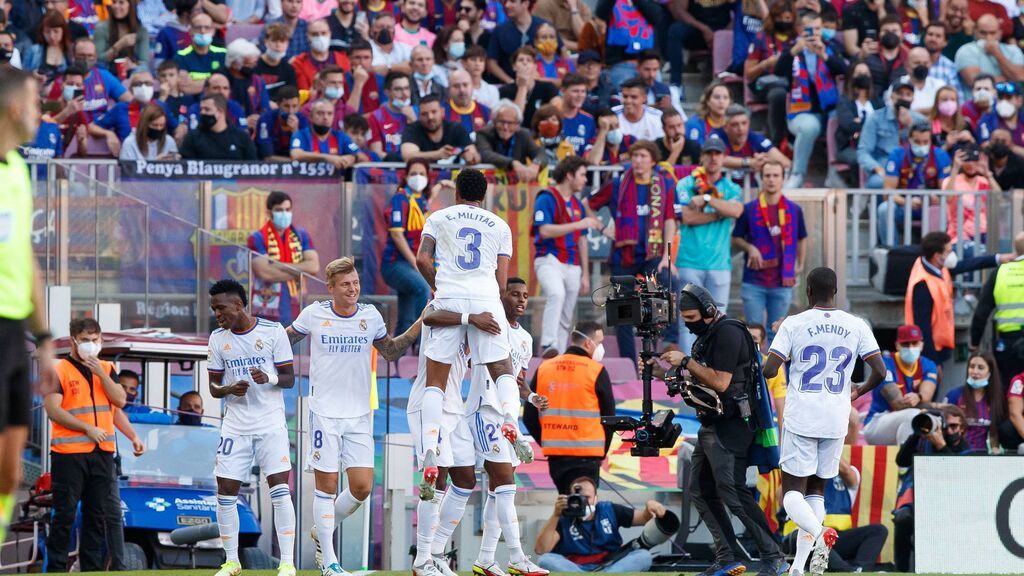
[(21, 302)]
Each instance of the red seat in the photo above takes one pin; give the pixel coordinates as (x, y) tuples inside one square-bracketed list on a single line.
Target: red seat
[(94, 148), (250, 32), (407, 367), (721, 55), (830, 143)]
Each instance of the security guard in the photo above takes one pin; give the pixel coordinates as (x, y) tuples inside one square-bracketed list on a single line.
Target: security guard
[(579, 393), (1004, 293), (82, 448), (720, 366)]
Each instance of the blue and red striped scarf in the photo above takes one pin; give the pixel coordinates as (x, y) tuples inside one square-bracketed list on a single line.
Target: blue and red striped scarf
[(627, 221), (912, 178), (824, 84), (764, 241)]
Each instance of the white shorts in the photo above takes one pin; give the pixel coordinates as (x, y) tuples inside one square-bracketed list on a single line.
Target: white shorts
[(490, 445), (348, 440), (442, 344), (454, 442), (802, 457), (237, 453)]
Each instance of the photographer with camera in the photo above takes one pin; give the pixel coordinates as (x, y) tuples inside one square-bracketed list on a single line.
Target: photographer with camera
[(582, 534), (719, 377)]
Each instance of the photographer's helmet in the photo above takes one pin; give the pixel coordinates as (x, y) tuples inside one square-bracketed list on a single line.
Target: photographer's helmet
[(694, 297)]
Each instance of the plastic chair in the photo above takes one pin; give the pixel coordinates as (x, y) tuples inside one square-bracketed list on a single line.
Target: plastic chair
[(721, 55), (830, 143), (408, 366), (250, 32)]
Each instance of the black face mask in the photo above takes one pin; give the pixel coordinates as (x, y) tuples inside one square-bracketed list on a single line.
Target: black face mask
[(784, 27), (246, 72), (321, 130), (998, 150), (384, 37), (155, 134), (952, 439), (697, 328), (862, 81), (190, 419), (207, 121), (6, 55), (920, 73), (890, 40)]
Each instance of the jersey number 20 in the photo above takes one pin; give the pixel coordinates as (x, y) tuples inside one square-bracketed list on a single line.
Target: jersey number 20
[(834, 381), (471, 259)]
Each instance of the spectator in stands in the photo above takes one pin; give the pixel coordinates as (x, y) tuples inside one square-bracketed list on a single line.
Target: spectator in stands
[(584, 544), (48, 143), (100, 87), (961, 28), (889, 62), (174, 36), (201, 58), (388, 55), (590, 386), (599, 86), (297, 27), (288, 253), (527, 91), (710, 116), (939, 67), (356, 127), (552, 65), (461, 107), (568, 18), (695, 24), (773, 236), (910, 384), (190, 406), (441, 16), (507, 39), (9, 53), (1007, 166), (475, 63), (983, 402), (859, 18), (218, 83), (970, 176), (562, 259), (345, 25), (214, 138), (363, 85), (506, 144), (152, 135), (405, 214), (436, 139), (177, 101), (989, 55), (271, 66), (49, 56), (427, 79), (1007, 115), (277, 127), (247, 88), (329, 84), (71, 118), (449, 48), (675, 147), (855, 105), (759, 68), (121, 35), (410, 30), (648, 68), (982, 100), (578, 126), (546, 129), (636, 118), (884, 131), (471, 16), (389, 121), (949, 127), (644, 213), (119, 121), (631, 30), (925, 86), (1011, 431), (811, 73), (748, 151), (916, 165), (610, 144), (322, 142), (129, 380), (319, 55)]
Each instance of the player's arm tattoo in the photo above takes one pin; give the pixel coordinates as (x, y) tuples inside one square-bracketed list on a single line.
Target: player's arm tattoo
[(293, 336), (891, 393), (425, 260), (393, 348)]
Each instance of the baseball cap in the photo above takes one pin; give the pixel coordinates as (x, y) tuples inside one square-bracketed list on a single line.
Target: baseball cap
[(908, 333), (1008, 89), (903, 82), (588, 56), (713, 144)]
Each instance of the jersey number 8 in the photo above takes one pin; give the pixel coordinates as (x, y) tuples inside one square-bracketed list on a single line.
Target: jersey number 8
[(470, 260), (834, 382)]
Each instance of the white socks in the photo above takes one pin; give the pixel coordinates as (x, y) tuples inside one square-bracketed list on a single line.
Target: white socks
[(426, 524), (492, 531), (284, 521), (227, 522), (807, 512), (508, 396), (449, 515), (344, 506), (505, 498), (433, 406), (323, 521)]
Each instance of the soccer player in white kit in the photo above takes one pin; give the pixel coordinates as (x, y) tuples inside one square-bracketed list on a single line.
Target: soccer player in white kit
[(822, 344), (471, 248), (250, 363), (343, 334)]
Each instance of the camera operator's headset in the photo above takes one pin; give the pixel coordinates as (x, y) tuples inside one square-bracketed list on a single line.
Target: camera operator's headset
[(696, 394), (708, 308)]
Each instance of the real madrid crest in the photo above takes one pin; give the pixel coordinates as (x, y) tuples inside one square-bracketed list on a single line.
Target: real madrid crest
[(259, 344), (362, 325)]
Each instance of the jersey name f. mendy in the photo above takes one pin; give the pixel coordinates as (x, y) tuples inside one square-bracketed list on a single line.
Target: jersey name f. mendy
[(468, 241), (482, 390)]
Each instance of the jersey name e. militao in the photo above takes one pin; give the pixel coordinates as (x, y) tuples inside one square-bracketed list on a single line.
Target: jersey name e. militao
[(482, 390), (822, 345), (469, 241), (340, 357), (264, 346)]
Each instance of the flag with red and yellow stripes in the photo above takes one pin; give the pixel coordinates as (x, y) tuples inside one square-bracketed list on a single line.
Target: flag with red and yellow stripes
[(878, 488)]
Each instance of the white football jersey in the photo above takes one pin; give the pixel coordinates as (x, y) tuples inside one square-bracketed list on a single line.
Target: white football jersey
[(469, 241), (453, 403), (482, 391), (822, 345), (264, 346), (340, 357)]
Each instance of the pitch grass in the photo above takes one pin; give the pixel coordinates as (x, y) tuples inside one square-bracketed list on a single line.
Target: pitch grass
[(210, 572)]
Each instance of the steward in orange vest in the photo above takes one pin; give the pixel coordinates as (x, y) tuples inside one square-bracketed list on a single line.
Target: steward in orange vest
[(579, 393), (82, 449)]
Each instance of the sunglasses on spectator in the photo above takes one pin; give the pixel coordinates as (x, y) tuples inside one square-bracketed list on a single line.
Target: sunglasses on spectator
[(465, 9), (952, 427)]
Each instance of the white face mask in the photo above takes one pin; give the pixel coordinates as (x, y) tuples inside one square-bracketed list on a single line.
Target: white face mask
[(417, 182), (1005, 109), (320, 43), (598, 354), (951, 261), (89, 349), (143, 94), (590, 511), (982, 95)]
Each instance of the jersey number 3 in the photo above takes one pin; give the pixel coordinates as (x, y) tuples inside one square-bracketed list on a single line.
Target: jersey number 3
[(835, 381), (471, 259)]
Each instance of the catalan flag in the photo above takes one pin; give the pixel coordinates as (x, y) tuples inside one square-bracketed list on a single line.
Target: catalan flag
[(878, 487)]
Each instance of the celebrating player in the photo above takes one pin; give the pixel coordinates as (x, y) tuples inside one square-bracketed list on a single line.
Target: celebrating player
[(823, 344), (344, 335), (250, 363), (472, 247)]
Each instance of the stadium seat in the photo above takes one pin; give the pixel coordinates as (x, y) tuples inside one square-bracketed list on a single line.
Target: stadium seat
[(620, 369), (830, 143), (250, 32), (94, 148), (721, 55), (407, 367)]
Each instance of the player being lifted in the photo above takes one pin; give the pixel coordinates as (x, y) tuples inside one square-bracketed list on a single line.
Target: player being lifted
[(343, 334), (472, 248), (250, 363), (822, 344)]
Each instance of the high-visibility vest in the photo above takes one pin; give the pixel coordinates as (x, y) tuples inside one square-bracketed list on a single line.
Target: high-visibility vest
[(941, 290), (1009, 295), (86, 401), (571, 426)]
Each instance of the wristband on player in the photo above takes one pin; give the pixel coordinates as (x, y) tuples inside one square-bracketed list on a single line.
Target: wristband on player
[(465, 318), (272, 379), (532, 396)]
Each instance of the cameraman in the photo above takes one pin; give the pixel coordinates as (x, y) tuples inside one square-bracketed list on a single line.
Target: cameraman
[(584, 543), (722, 356), (946, 439)]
